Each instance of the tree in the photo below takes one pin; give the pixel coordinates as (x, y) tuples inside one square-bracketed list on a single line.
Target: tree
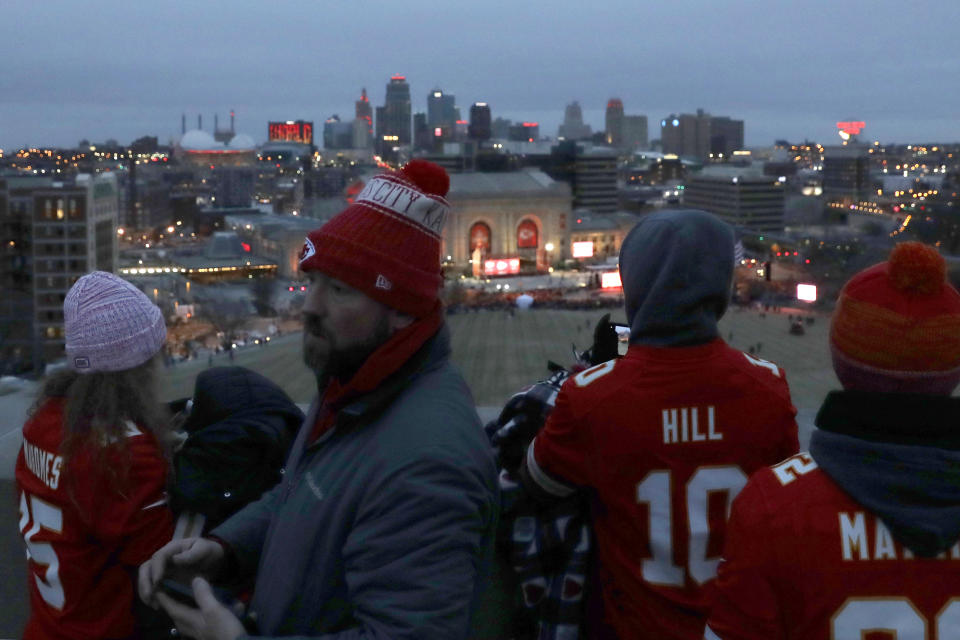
[(226, 316), (264, 292)]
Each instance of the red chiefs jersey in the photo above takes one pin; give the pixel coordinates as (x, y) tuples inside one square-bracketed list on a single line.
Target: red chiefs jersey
[(84, 537), (666, 437), (803, 560)]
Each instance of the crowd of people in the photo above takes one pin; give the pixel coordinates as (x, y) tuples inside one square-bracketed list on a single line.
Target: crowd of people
[(667, 484)]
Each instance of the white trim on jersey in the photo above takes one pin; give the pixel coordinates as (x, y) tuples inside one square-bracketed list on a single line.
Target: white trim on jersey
[(543, 479), (708, 634), (162, 501)]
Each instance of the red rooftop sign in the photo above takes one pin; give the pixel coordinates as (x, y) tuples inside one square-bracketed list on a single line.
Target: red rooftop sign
[(853, 128)]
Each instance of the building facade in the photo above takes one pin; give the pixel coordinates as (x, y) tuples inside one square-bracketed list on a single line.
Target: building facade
[(635, 133), (739, 196), (480, 122), (613, 123), (846, 175), (573, 127), (441, 109), (521, 215), (58, 232), (591, 173), (363, 122), (700, 135), (394, 118)]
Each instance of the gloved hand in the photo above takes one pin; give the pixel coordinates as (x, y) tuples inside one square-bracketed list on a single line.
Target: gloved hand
[(521, 419)]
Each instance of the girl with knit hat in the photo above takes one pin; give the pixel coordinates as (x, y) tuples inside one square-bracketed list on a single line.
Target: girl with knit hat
[(91, 474), (862, 534)]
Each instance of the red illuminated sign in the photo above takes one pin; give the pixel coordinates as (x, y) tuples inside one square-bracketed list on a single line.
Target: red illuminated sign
[(299, 131), (853, 128), (501, 267), (610, 280), (527, 235)]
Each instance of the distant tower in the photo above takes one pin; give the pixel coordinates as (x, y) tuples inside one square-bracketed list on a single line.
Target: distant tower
[(441, 109), (224, 135), (183, 123), (199, 121), (232, 130), (614, 122), (364, 111), (480, 122), (394, 124), (573, 127)]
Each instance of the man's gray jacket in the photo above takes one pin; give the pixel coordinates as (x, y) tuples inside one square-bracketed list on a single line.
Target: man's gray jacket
[(383, 527)]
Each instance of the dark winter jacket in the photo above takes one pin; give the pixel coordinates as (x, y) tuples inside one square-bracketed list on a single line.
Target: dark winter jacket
[(382, 526), (240, 427), (899, 456)]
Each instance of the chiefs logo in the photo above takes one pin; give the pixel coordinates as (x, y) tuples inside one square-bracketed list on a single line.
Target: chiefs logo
[(308, 251)]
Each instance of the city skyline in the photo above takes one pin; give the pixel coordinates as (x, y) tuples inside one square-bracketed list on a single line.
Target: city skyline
[(111, 70)]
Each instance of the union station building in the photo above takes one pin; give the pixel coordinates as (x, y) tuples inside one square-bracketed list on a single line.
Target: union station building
[(509, 222)]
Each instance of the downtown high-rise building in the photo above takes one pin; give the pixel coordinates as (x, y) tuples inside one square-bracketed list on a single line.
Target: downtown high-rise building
[(363, 111), (573, 127), (441, 109), (480, 122), (701, 135), (613, 122), (60, 231), (634, 133), (394, 118)]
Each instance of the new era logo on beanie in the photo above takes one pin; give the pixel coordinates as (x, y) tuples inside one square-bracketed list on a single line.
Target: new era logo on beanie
[(110, 325), (387, 243), (896, 327)]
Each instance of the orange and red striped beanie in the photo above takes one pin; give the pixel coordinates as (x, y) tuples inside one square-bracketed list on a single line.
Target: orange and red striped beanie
[(896, 327)]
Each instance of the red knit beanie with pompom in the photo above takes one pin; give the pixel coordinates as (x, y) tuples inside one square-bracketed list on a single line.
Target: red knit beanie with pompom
[(387, 243), (896, 327)]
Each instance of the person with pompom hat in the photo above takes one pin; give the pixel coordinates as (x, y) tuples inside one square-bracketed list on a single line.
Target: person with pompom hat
[(862, 534), (384, 522), (92, 470)]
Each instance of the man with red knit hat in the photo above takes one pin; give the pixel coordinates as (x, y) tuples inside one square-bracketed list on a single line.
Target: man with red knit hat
[(860, 537), (385, 518)]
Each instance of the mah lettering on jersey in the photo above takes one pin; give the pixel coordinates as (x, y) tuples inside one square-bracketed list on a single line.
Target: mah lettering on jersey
[(859, 529), (683, 424), (43, 464)]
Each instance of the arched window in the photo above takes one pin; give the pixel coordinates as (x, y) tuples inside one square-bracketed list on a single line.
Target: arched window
[(527, 236), (480, 237)]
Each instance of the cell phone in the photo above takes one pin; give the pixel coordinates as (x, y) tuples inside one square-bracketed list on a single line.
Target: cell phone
[(183, 593), (623, 337)]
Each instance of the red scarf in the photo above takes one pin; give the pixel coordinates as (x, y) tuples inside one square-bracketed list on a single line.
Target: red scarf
[(381, 364)]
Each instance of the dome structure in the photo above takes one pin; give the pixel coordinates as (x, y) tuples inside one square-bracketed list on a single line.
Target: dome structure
[(241, 142), (197, 140)]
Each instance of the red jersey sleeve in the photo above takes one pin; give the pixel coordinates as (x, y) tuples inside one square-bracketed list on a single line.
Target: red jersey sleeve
[(744, 603), (558, 458)]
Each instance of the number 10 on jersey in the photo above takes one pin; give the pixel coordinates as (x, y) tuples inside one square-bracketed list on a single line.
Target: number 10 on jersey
[(655, 492)]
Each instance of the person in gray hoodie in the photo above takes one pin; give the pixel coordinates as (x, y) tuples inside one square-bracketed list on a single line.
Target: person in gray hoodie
[(663, 438), (383, 524), (862, 534)]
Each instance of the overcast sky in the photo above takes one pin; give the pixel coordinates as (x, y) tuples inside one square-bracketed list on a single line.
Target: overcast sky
[(108, 69)]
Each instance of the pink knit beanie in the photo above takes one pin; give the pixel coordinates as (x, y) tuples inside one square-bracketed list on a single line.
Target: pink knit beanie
[(110, 325)]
